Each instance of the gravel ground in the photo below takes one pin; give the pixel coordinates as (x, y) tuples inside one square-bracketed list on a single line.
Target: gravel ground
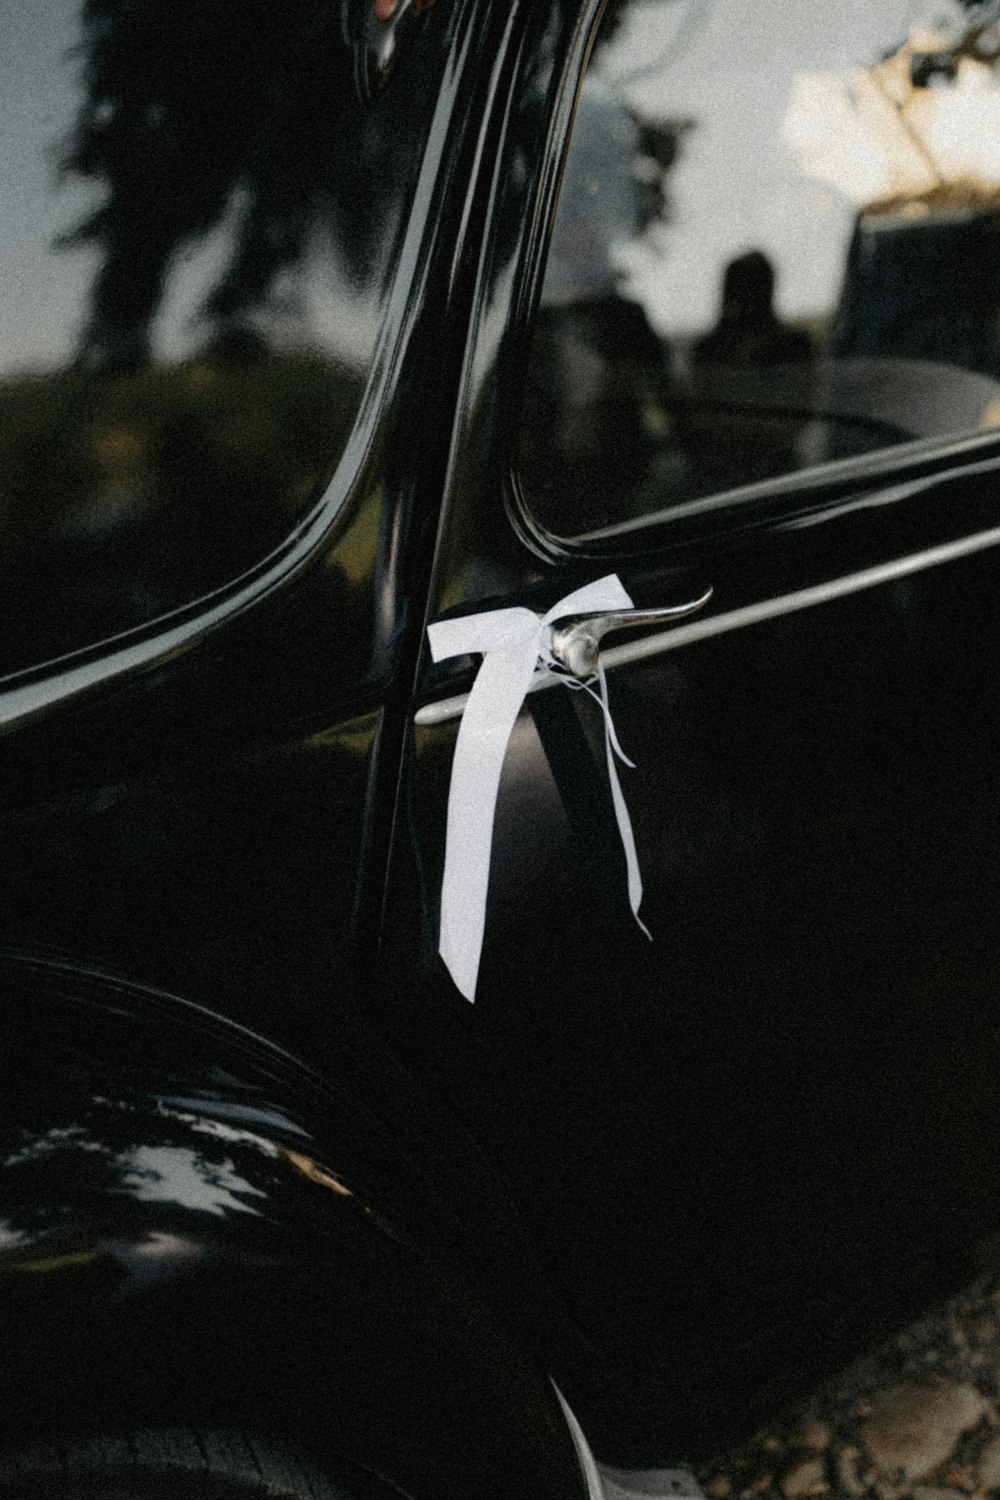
[(918, 1418)]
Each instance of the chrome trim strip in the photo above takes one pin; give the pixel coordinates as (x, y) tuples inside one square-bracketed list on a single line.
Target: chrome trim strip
[(588, 1463), (815, 480), (750, 614)]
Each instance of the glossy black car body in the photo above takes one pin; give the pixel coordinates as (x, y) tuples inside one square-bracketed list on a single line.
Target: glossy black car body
[(262, 1165)]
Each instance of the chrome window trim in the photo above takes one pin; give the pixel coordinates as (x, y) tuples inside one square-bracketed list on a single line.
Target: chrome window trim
[(751, 614)]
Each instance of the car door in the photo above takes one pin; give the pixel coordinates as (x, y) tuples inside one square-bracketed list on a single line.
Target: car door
[(749, 1142)]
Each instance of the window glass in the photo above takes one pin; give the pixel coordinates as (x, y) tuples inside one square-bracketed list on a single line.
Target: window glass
[(196, 234), (777, 244)]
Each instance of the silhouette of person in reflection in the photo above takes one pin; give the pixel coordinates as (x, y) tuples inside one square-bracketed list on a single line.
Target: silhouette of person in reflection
[(751, 385), (749, 331)]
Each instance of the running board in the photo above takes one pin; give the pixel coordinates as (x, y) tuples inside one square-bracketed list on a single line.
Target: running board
[(605, 1483), (650, 1484)]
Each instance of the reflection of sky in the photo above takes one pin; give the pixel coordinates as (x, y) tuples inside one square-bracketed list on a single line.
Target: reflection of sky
[(736, 186), (11, 1239), (174, 1174), (44, 292), (41, 296)]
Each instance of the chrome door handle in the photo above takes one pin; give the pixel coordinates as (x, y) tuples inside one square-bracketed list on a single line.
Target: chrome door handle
[(575, 640)]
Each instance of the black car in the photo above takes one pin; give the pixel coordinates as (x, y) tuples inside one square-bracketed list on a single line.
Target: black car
[(397, 1096)]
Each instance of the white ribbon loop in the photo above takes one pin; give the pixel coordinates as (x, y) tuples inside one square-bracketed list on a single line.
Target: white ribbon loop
[(513, 644)]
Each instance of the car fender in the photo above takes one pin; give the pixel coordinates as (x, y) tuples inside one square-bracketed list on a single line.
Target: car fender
[(181, 1240)]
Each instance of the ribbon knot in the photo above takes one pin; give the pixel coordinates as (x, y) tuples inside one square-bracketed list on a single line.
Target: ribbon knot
[(514, 647)]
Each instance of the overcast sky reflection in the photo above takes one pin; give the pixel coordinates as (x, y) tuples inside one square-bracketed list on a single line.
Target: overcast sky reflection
[(737, 185)]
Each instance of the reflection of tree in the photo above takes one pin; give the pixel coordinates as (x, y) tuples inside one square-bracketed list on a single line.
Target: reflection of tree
[(614, 14), (195, 111), (658, 147), (123, 500), (93, 1174), (658, 139)]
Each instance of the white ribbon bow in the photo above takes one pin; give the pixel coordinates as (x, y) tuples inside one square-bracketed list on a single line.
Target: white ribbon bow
[(513, 644)]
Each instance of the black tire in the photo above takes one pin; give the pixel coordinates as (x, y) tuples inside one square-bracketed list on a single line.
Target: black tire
[(175, 1463)]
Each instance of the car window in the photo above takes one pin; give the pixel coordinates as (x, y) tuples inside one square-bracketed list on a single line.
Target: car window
[(195, 239), (777, 244)]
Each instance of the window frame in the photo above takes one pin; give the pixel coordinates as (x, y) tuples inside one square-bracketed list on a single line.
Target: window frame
[(786, 500)]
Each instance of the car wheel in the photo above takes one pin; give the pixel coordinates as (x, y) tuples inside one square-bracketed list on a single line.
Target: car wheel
[(176, 1463)]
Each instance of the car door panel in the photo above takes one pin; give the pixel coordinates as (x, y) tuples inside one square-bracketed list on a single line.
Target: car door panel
[(755, 1139), (745, 1149)]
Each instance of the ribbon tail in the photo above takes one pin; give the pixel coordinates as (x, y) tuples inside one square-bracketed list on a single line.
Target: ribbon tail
[(494, 703), (601, 699), (621, 809), (511, 641)]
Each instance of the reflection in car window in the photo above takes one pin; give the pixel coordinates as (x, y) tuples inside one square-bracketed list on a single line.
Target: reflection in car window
[(195, 232), (777, 244)]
